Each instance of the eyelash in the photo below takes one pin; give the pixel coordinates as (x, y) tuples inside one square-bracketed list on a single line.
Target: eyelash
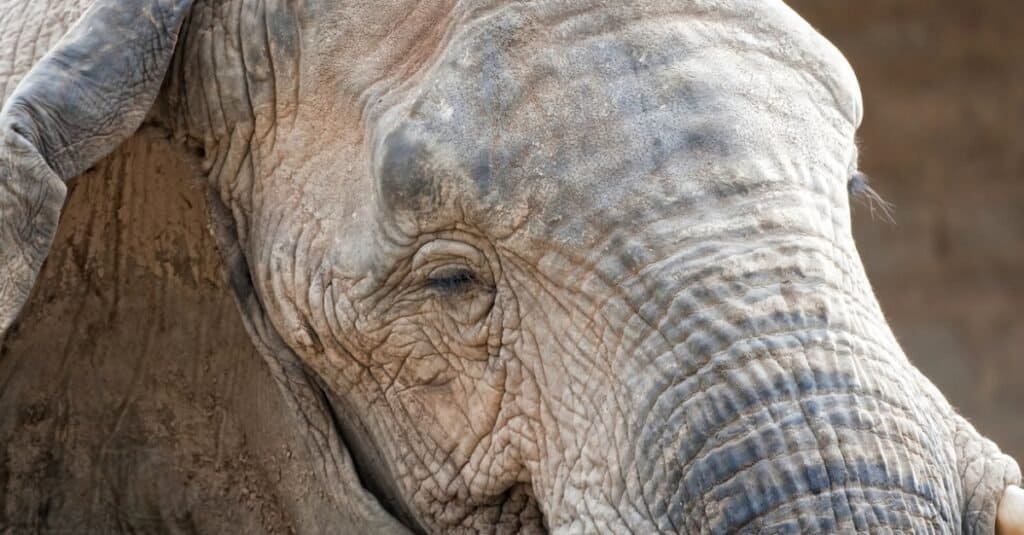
[(453, 282)]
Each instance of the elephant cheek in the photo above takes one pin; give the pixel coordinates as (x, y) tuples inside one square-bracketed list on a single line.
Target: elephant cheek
[(467, 421), (437, 410)]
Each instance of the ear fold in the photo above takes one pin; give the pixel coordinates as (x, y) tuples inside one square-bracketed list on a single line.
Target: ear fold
[(79, 103), (355, 510)]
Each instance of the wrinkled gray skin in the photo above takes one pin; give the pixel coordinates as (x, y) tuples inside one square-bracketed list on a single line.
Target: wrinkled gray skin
[(577, 266)]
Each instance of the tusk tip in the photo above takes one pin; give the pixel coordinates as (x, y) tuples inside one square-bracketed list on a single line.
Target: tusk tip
[(1010, 514)]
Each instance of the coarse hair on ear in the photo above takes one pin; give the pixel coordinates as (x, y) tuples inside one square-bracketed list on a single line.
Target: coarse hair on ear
[(76, 105)]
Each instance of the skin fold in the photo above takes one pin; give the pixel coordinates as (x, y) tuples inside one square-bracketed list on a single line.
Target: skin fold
[(536, 266)]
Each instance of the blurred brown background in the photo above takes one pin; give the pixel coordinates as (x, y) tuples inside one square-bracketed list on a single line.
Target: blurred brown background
[(943, 85)]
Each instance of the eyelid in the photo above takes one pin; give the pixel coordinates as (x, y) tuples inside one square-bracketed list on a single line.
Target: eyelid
[(449, 269), (451, 253)]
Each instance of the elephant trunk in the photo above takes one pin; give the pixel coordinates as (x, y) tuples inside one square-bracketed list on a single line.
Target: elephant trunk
[(776, 400), (804, 428)]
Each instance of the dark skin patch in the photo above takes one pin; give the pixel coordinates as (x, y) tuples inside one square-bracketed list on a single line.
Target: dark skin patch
[(481, 171), (706, 140), (405, 181)]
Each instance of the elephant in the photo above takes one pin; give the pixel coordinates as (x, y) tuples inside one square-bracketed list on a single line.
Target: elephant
[(528, 266)]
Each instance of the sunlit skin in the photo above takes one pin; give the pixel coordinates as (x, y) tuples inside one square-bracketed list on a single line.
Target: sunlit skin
[(547, 266)]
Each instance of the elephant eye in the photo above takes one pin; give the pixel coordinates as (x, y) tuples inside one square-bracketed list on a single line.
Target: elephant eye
[(452, 280)]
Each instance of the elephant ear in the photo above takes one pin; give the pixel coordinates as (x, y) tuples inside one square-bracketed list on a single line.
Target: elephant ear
[(82, 100)]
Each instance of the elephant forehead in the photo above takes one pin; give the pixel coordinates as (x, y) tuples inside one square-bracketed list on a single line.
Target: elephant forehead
[(606, 114)]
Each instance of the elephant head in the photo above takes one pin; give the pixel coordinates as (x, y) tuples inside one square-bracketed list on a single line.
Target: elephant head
[(576, 266)]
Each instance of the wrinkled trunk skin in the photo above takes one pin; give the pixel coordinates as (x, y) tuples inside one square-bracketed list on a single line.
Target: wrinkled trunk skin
[(800, 419), (769, 396)]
